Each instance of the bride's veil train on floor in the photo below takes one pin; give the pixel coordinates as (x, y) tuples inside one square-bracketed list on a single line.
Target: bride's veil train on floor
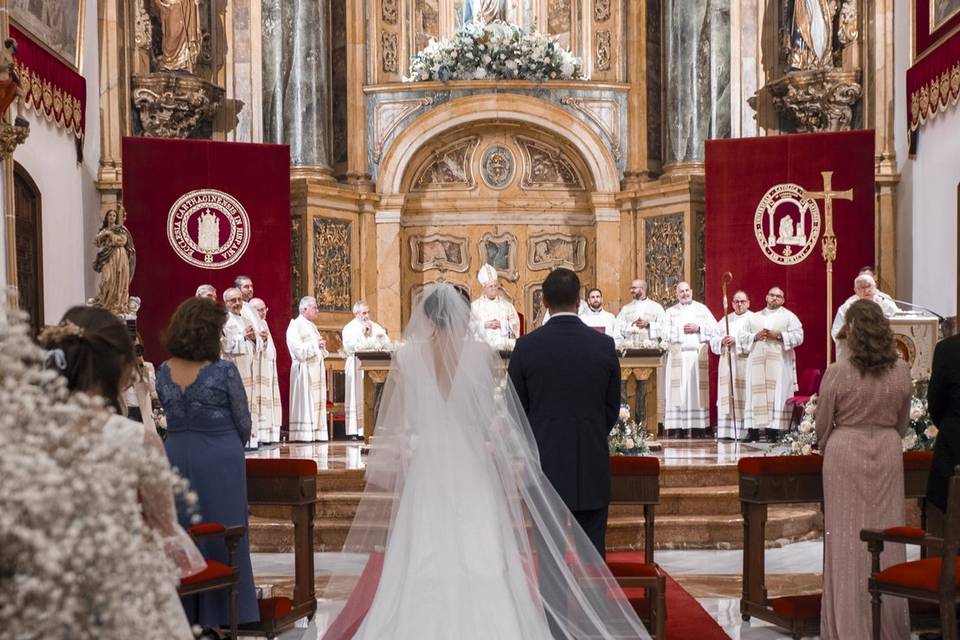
[(465, 536)]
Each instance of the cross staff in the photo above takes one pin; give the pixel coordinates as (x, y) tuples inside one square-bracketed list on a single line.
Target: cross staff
[(829, 246)]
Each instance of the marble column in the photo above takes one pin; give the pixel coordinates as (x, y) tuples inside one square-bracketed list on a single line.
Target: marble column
[(296, 80), (696, 51)]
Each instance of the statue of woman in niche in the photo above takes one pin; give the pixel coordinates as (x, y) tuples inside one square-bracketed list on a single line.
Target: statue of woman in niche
[(484, 11), (115, 262), (808, 32), (180, 28)]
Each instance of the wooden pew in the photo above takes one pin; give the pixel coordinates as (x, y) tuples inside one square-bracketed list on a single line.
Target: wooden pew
[(291, 483), (773, 480)]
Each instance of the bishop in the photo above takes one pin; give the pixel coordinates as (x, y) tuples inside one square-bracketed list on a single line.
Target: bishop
[(497, 315)]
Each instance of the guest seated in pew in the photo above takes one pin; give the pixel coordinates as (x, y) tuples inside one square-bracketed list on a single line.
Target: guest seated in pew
[(862, 414), (208, 421)]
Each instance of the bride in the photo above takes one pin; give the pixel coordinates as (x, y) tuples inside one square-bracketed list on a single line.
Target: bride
[(465, 537)]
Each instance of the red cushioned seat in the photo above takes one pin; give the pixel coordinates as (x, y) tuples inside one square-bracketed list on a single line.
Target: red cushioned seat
[(799, 401), (213, 571), (634, 466), (797, 607), (919, 574), (274, 608), (780, 465), (906, 532), (917, 460), (633, 569), (280, 467), (207, 528)]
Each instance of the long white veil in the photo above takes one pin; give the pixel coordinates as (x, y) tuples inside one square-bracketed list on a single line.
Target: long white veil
[(466, 537)]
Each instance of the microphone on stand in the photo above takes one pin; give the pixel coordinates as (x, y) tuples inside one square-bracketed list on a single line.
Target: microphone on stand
[(922, 308)]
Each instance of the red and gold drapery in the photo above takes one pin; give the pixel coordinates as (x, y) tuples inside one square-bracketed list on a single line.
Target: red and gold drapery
[(51, 88), (933, 82)]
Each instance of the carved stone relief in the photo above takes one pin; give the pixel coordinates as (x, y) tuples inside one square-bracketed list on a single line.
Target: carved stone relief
[(601, 10), (602, 112), (296, 258), (389, 11), (389, 45), (500, 252), (552, 250), (388, 115), (448, 168), (534, 308), (546, 167), (663, 251), (497, 167), (331, 264), (604, 50), (437, 251)]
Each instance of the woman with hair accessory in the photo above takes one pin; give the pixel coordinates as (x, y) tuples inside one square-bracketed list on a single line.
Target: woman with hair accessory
[(208, 420), (862, 414), (91, 350)]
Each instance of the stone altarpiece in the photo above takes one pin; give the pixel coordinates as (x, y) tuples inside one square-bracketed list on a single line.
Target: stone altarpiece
[(613, 164)]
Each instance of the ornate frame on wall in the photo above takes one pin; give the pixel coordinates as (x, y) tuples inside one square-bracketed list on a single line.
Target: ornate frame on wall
[(576, 262), (420, 263), (416, 289), (509, 271), (533, 305), (438, 166)]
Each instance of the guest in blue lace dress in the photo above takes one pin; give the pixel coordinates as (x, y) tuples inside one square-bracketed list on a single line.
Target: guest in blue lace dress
[(208, 420)]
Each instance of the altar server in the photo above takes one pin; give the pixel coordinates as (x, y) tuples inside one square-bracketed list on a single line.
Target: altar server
[(308, 381)]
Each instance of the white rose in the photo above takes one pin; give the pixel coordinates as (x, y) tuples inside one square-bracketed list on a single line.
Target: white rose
[(909, 440), (931, 432), (511, 64), (480, 73), (795, 446), (567, 70), (916, 412), (806, 427), (629, 443), (624, 413), (806, 450), (486, 59)]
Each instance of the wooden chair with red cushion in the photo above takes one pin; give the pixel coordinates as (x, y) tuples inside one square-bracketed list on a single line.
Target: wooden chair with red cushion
[(933, 580), (217, 575), (635, 480), (808, 384)]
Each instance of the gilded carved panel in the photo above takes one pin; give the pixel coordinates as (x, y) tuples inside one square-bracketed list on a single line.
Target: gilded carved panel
[(663, 251), (296, 258), (389, 51), (546, 167), (331, 264), (604, 50), (389, 11), (552, 250), (438, 251), (500, 252), (450, 167), (601, 10)]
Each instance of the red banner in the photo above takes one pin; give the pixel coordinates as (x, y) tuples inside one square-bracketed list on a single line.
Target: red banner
[(204, 213), (762, 224), (51, 87)]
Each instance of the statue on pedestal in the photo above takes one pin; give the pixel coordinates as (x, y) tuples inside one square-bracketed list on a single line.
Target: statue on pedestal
[(181, 37), (10, 87), (809, 39), (115, 262)]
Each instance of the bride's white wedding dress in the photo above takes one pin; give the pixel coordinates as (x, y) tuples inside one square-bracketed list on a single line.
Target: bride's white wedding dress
[(474, 541)]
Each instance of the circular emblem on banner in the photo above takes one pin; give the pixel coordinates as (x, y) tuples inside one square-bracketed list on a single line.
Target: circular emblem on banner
[(787, 224), (209, 229)]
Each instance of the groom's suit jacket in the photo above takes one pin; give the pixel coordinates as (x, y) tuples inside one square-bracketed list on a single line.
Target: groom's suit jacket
[(567, 376)]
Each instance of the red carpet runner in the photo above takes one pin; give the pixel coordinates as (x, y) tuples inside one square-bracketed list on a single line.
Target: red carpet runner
[(686, 619)]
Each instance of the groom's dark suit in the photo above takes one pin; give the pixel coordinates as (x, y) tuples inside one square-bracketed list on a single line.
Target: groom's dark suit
[(568, 378)]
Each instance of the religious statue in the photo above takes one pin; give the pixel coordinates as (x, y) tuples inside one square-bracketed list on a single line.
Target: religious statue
[(484, 11), (181, 37), (10, 87), (815, 31), (115, 262)]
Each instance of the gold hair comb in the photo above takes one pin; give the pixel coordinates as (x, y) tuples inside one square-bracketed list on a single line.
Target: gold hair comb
[(57, 333)]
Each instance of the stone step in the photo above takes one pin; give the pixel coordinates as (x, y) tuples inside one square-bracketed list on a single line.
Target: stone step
[(784, 524), (690, 475)]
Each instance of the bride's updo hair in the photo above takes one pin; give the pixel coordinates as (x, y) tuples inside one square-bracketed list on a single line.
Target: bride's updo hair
[(91, 348), (443, 304)]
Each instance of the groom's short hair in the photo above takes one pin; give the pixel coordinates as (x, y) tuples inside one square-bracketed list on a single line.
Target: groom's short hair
[(561, 289)]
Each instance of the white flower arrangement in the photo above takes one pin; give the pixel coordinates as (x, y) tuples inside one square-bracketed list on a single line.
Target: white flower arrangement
[(76, 558), (494, 50), (628, 438)]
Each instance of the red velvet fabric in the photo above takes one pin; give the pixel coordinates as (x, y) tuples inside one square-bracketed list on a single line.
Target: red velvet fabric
[(797, 607), (280, 467), (274, 608), (156, 172), (929, 82), (632, 569), (917, 460), (780, 465), (924, 37), (213, 571), (739, 172), (206, 528), (634, 466), (906, 532), (52, 87), (919, 574)]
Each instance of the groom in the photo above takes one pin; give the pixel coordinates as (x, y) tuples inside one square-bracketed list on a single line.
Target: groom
[(568, 379)]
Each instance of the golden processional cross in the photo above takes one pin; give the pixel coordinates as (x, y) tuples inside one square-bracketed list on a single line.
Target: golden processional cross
[(829, 245)]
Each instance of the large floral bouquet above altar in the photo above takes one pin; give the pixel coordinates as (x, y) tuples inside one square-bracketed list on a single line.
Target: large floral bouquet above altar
[(494, 51)]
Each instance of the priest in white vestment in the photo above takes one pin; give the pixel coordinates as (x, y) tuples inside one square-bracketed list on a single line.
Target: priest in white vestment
[(772, 336), (245, 285), (238, 344), (269, 408), (595, 316), (864, 288), (207, 291), (497, 315), (308, 379), (687, 328), (640, 316), (358, 334), (730, 412)]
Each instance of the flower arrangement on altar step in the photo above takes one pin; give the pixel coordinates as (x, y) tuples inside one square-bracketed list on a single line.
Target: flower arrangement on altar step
[(920, 436), (494, 51), (632, 340), (628, 437)]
